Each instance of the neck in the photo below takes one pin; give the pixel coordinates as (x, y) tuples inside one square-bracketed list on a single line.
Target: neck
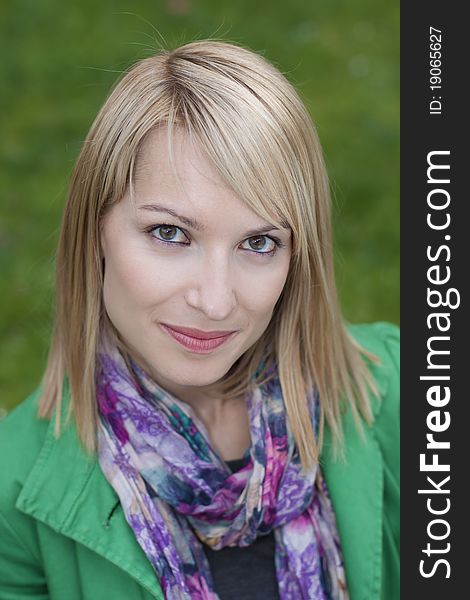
[(226, 420)]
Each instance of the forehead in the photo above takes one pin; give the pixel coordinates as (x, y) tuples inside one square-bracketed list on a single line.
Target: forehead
[(176, 173), (168, 161)]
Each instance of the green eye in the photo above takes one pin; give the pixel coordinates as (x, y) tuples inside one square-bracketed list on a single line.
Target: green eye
[(261, 244), (169, 234)]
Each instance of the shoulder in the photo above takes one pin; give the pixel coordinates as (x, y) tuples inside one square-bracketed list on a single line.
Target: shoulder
[(381, 339), (22, 436), (364, 486)]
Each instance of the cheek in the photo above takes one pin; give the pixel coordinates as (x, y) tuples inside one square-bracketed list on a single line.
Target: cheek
[(123, 278), (134, 280), (260, 294)]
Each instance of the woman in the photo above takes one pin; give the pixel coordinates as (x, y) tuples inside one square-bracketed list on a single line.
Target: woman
[(207, 426)]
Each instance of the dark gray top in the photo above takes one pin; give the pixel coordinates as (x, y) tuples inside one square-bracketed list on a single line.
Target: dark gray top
[(244, 573)]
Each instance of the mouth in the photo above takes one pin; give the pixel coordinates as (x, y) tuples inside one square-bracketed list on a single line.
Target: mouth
[(196, 340)]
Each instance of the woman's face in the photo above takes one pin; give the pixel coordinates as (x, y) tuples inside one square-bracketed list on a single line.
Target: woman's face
[(186, 252)]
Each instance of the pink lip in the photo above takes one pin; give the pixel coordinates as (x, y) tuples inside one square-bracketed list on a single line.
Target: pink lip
[(197, 340)]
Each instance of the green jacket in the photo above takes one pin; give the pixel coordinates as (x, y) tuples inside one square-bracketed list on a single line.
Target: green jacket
[(63, 534)]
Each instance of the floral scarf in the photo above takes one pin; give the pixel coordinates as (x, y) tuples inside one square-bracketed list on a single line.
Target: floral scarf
[(177, 492)]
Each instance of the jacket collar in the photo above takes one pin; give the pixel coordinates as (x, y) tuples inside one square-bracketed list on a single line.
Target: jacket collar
[(67, 491)]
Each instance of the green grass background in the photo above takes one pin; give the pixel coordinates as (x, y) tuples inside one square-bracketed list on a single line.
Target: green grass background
[(58, 62)]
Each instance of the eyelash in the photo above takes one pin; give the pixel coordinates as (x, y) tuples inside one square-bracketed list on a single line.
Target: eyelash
[(153, 228)]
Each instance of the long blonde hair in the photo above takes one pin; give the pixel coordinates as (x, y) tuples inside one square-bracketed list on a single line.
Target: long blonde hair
[(258, 134)]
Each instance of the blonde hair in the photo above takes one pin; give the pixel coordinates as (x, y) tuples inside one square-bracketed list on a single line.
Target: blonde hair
[(257, 132)]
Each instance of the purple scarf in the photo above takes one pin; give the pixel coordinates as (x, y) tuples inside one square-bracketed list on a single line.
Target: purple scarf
[(177, 492)]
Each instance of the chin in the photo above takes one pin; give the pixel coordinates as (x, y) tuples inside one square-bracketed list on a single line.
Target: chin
[(195, 378)]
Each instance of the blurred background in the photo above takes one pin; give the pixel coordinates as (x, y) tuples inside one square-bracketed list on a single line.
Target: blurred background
[(58, 63)]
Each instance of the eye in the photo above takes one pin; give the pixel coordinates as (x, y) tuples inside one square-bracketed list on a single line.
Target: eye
[(262, 244), (169, 234)]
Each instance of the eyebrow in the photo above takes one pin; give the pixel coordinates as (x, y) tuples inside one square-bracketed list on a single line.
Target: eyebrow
[(200, 227)]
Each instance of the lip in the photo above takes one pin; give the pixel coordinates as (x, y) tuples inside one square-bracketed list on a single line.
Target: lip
[(199, 333), (197, 340)]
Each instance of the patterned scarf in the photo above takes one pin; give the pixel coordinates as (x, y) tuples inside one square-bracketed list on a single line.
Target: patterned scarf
[(177, 492)]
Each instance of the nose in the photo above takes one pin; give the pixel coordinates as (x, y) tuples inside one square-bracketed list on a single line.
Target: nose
[(212, 289)]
